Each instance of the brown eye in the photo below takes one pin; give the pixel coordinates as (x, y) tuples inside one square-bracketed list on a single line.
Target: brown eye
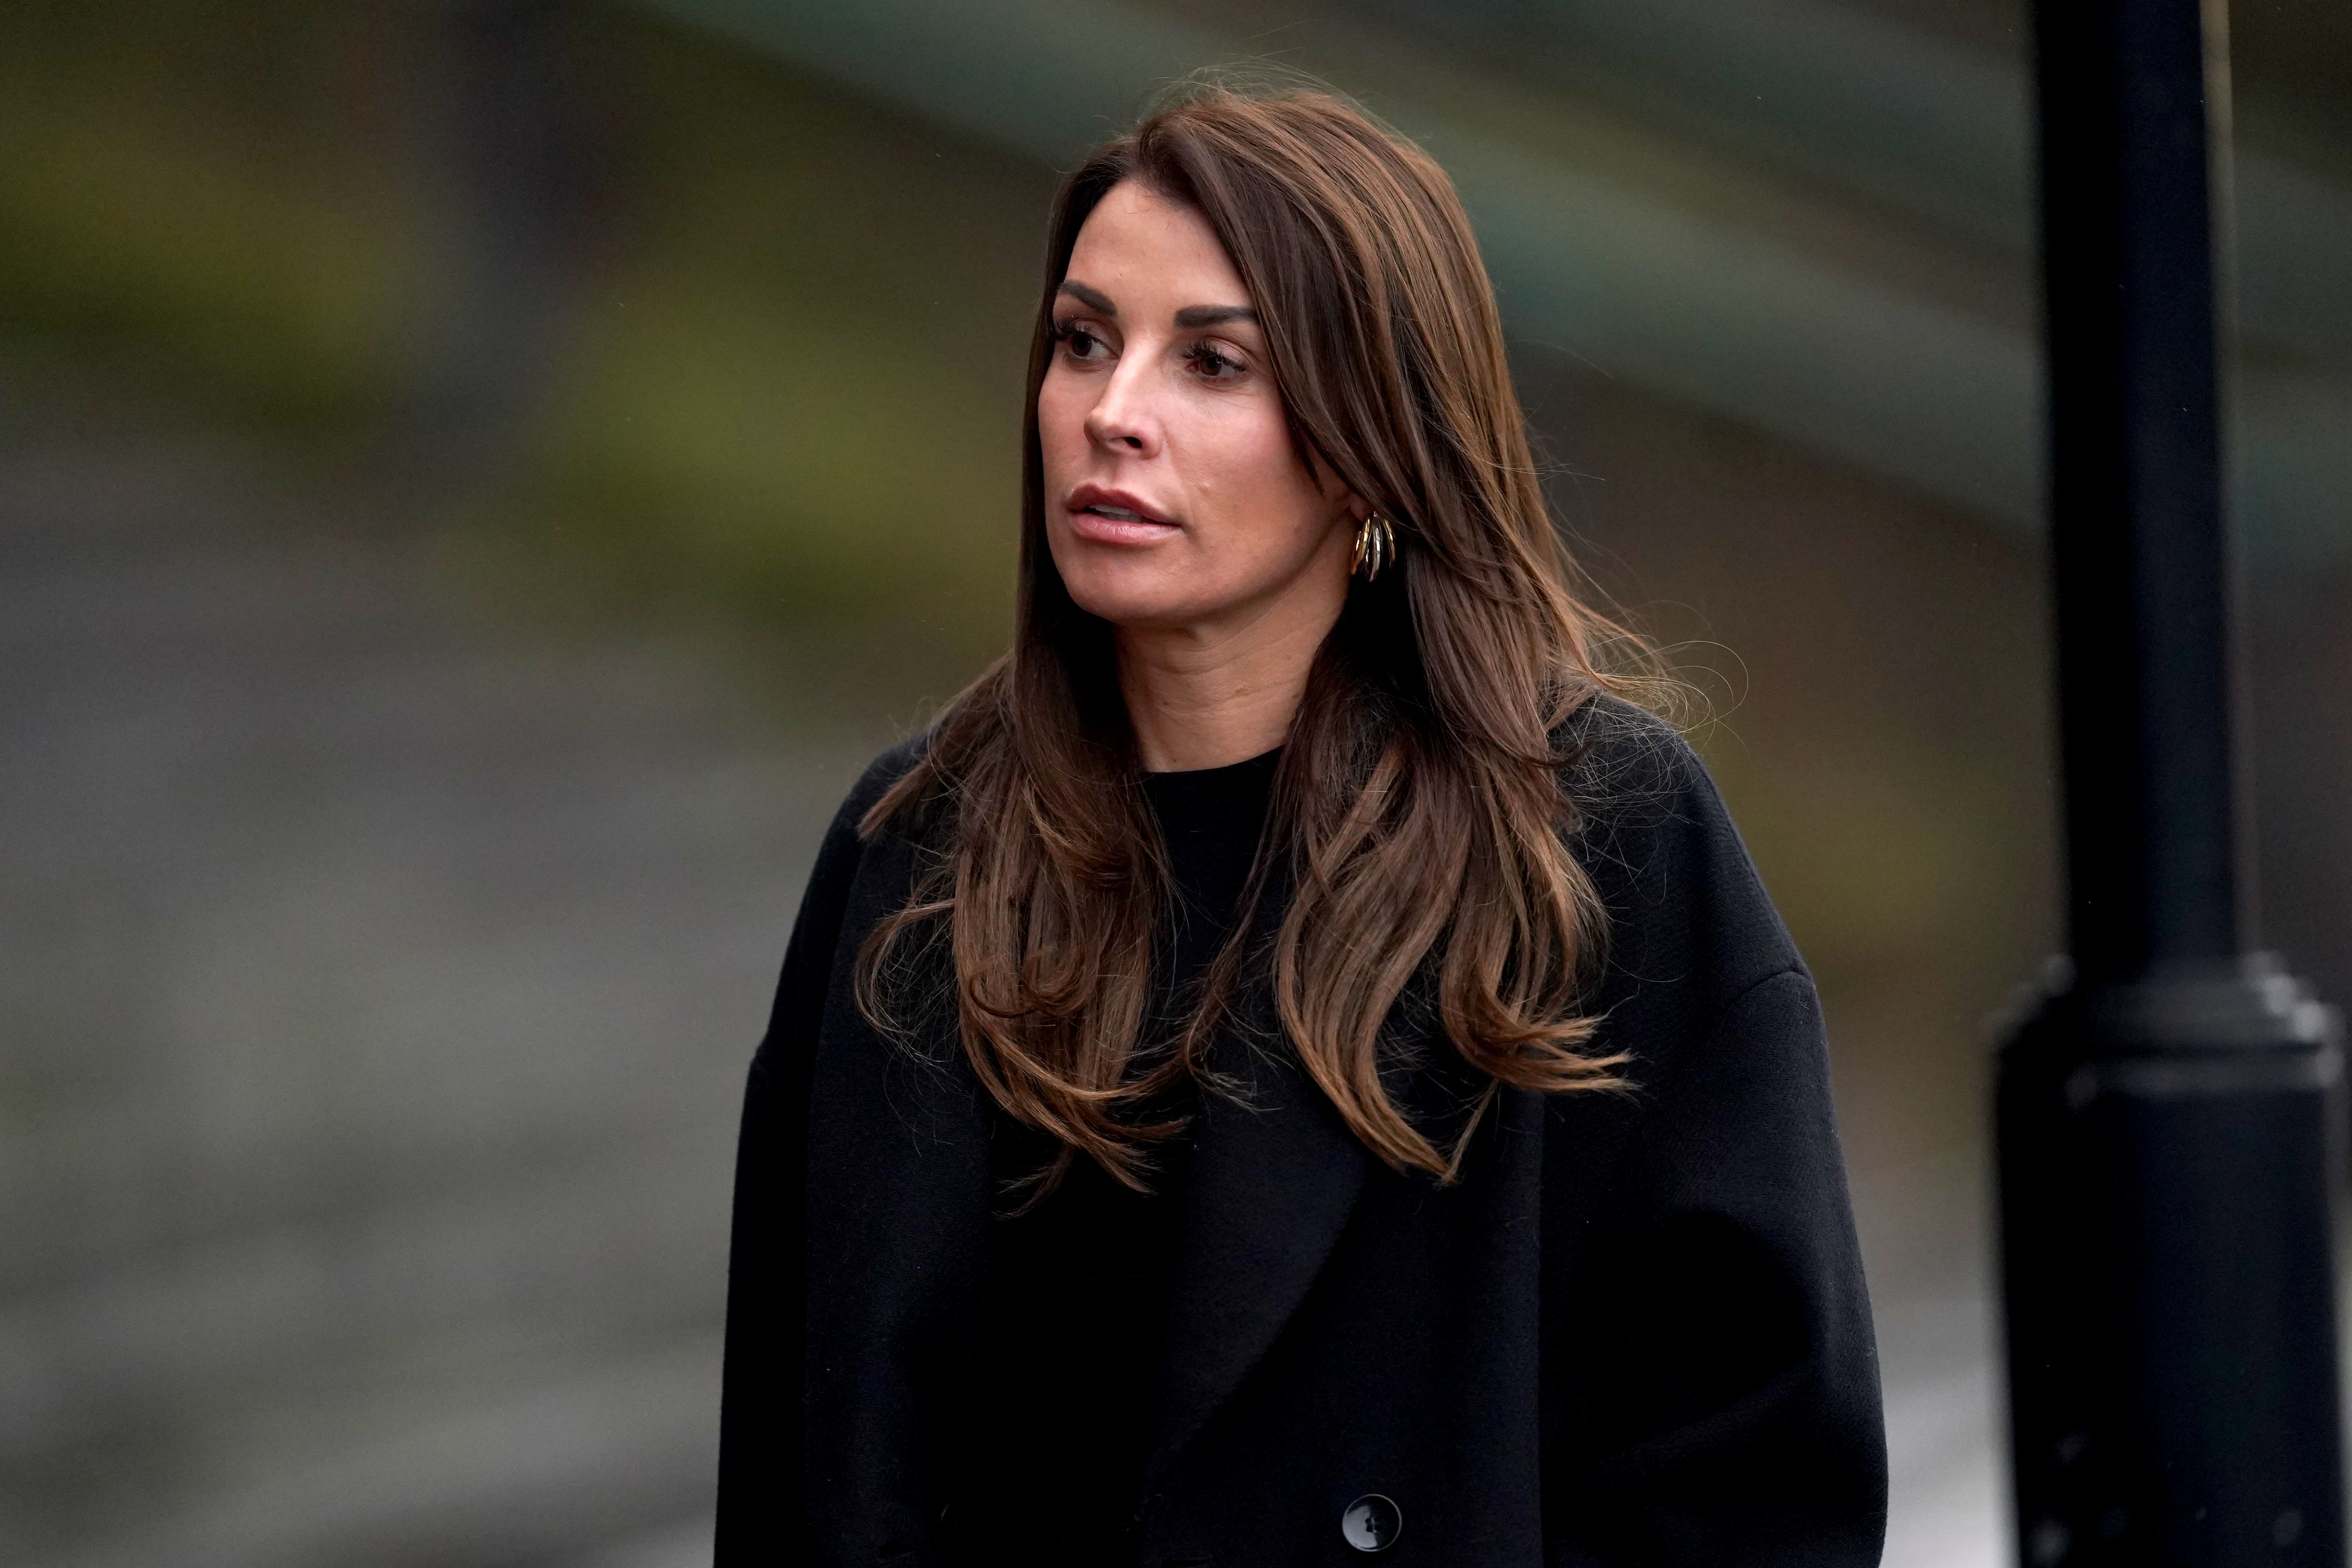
[(1210, 364), (1077, 342)]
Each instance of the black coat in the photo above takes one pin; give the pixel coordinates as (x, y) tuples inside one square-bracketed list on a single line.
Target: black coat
[(1634, 1331)]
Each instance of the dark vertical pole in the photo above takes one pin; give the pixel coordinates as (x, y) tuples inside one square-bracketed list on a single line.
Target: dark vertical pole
[(2168, 1115)]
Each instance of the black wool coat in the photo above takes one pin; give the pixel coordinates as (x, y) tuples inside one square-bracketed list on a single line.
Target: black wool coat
[(1634, 1331)]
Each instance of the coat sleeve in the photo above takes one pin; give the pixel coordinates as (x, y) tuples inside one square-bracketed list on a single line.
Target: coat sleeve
[(1717, 1377), (1731, 1414), (762, 1470)]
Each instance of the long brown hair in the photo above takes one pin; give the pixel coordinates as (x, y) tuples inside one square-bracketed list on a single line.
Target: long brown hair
[(1418, 821)]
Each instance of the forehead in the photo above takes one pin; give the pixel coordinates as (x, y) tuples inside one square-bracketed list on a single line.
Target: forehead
[(1152, 255)]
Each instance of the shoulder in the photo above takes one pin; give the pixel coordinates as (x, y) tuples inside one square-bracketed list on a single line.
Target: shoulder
[(847, 856), (1686, 908), (1634, 786), (846, 892), (881, 776), (1617, 759)]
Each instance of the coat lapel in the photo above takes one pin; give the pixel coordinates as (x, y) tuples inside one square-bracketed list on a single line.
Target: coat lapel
[(1271, 1185)]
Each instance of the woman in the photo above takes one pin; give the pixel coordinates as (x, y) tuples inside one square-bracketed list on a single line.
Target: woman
[(1292, 1063)]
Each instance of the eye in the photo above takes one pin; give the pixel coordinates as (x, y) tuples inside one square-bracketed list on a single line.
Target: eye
[(1210, 364), (1079, 345)]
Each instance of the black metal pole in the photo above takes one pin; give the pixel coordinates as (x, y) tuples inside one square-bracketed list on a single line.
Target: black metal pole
[(2168, 1115)]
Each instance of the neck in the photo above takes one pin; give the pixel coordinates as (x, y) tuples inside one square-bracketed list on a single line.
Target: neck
[(1207, 698)]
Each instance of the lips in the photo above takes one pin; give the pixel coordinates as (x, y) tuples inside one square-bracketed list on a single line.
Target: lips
[(1118, 506), (1115, 517)]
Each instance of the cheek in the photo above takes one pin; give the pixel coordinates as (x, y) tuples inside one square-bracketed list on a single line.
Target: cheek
[(1258, 477), (1062, 412)]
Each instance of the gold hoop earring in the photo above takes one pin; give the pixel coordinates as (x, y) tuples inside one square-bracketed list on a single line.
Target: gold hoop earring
[(1375, 546)]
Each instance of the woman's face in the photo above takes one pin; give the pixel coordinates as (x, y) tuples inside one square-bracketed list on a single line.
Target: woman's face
[(1175, 499)]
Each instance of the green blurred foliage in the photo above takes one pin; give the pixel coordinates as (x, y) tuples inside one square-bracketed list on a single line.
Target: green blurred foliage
[(183, 195), (798, 364), (786, 363)]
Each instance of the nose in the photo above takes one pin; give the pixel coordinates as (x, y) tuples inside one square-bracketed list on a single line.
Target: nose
[(1122, 419)]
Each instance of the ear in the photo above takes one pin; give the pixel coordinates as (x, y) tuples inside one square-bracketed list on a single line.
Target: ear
[(1352, 507), (1335, 489)]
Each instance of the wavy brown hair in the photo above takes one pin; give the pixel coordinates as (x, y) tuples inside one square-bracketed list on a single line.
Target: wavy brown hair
[(1418, 824)]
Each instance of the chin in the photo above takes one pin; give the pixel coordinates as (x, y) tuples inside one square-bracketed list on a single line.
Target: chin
[(1138, 605), (1129, 589)]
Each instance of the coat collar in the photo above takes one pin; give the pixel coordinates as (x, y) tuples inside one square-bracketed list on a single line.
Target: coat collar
[(1272, 1179)]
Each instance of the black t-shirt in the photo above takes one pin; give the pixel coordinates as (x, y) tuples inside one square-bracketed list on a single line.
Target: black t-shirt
[(1079, 1282)]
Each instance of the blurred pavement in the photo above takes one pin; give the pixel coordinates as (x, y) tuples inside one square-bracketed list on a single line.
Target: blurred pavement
[(379, 992)]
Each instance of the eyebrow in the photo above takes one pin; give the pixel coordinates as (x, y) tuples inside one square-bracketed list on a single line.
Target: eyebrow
[(1091, 299), (1191, 318)]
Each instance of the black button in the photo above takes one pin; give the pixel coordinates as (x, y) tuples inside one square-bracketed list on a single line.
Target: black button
[(1372, 1523)]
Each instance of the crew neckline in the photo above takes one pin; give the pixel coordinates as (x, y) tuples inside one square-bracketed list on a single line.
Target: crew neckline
[(1262, 760)]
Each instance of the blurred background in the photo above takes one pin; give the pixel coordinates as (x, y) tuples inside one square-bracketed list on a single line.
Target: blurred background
[(477, 480)]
